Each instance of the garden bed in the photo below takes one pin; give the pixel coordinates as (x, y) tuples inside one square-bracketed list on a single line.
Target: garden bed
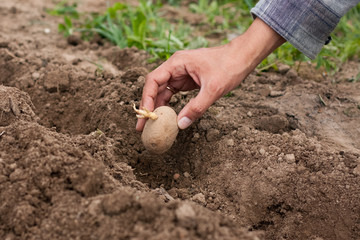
[(279, 158)]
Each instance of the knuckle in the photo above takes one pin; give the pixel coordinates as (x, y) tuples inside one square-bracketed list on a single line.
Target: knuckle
[(149, 76), (178, 53), (215, 90), (198, 110)]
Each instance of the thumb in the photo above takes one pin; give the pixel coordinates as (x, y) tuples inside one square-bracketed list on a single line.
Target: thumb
[(195, 108)]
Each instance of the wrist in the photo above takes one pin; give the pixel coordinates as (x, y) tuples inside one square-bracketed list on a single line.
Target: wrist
[(256, 44)]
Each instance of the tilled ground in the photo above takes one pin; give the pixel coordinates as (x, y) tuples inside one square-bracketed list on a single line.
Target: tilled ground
[(279, 159)]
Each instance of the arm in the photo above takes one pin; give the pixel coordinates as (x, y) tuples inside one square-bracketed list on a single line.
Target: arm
[(215, 71)]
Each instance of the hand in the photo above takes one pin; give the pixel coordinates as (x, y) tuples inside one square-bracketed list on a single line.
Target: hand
[(215, 71)]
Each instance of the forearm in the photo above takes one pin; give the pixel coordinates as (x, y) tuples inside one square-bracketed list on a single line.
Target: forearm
[(254, 45)]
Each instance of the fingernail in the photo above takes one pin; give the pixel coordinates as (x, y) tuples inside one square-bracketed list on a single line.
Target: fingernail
[(184, 122)]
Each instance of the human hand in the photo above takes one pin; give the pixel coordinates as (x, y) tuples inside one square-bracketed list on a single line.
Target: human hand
[(207, 69), (215, 71)]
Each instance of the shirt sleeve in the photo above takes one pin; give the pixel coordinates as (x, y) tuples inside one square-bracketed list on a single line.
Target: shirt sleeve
[(306, 24)]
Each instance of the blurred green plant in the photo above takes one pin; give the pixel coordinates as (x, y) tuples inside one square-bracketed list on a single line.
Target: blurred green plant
[(69, 12), (63, 8), (66, 28), (355, 78), (128, 26), (229, 95), (143, 27), (225, 14)]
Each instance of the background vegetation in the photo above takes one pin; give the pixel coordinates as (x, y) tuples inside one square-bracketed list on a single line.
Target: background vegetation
[(145, 27)]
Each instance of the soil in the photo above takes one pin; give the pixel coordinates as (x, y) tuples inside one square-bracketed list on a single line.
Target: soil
[(278, 159)]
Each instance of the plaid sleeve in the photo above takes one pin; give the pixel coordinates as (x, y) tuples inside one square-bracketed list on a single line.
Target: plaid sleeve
[(306, 24)]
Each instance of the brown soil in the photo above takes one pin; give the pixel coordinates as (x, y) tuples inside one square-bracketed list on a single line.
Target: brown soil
[(279, 159)]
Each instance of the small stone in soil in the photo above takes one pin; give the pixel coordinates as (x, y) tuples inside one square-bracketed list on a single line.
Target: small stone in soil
[(262, 151), (230, 142), (199, 198), (276, 93), (176, 176), (283, 68), (184, 212), (356, 170), (35, 75), (290, 158), (291, 74), (212, 135)]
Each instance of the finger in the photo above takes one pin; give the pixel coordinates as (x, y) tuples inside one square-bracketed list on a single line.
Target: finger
[(195, 108), (140, 124), (163, 98), (153, 81)]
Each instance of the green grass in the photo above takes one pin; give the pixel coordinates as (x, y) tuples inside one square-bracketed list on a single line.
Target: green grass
[(346, 40), (225, 15), (143, 27), (63, 8), (128, 26)]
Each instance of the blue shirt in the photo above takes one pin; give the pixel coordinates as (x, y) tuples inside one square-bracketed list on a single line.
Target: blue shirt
[(306, 24)]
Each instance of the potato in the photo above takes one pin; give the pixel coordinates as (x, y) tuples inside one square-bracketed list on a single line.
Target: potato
[(159, 135)]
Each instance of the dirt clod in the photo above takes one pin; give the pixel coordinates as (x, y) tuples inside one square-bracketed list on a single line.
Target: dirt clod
[(290, 158), (74, 40), (56, 81), (199, 198), (212, 135), (15, 105)]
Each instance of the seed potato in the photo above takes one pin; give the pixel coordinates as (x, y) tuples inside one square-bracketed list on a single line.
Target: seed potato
[(159, 135)]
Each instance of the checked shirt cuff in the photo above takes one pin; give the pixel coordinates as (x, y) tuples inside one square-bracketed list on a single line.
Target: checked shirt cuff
[(305, 24)]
